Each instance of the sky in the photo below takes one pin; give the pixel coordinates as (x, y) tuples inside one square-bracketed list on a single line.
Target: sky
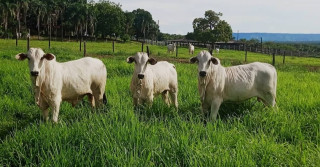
[(270, 16)]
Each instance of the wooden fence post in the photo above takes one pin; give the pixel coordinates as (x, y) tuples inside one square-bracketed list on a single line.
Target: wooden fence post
[(80, 43), (273, 58), (28, 41), (141, 46), (84, 48), (177, 51), (17, 37), (245, 57), (113, 46), (148, 52), (284, 57)]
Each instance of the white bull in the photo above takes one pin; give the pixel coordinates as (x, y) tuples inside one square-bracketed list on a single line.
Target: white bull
[(152, 79), (237, 83), (191, 48), (171, 48), (54, 82)]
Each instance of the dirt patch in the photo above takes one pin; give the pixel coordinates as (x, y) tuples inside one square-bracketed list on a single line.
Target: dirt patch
[(313, 68)]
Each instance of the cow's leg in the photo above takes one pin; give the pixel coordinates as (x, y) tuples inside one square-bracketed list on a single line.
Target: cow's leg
[(165, 97), (98, 98), (215, 105), (91, 100), (135, 101), (44, 107), (55, 109), (268, 99), (149, 100), (174, 98), (205, 108)]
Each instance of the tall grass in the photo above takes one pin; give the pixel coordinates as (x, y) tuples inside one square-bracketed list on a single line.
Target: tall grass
[(246, 134)]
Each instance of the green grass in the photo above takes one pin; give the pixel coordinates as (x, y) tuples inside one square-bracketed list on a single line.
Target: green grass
[(246, 134)]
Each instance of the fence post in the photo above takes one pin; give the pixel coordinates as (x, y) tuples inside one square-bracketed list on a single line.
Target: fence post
[(113, 46), (177, 51), (148, 52), (17, 37), (245, 57), (141, 46), (273, 58), (84, 48), (28, 41), (284, 57)]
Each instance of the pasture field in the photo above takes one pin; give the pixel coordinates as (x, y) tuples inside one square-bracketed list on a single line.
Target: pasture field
[(245, 134)]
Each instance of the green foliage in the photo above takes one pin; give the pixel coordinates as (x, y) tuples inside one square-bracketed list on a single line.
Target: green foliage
[(211, 29), (166, 36), (125, 37), (246, 133), (74, 18)]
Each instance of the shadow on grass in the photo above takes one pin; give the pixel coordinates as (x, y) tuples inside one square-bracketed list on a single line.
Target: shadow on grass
[(192, 111)]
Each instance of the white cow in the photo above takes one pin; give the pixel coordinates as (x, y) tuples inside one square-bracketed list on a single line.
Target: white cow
[(237, 83), (171, 48), (152, 79), (191, 48), (54, 82), (217, 50)]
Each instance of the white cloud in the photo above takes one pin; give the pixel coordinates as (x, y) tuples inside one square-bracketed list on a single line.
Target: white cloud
[(285, 16)]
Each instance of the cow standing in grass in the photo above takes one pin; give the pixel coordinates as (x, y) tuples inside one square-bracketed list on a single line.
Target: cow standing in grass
[(191, 48), (171, 48), (54, 82), (151, 78), (237, 83)]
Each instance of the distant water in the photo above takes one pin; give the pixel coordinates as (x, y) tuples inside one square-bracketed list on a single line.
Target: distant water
[(279, 37)]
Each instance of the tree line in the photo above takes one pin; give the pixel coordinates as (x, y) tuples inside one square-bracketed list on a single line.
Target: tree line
[(75, 18)]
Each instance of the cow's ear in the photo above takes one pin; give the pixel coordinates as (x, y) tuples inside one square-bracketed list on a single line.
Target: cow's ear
[(130, 59), (214, 61), (152, 61), (21, 56), (48, 56), (193, 59)]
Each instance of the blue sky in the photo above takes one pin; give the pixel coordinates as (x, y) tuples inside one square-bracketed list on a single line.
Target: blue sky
[(272, 16)]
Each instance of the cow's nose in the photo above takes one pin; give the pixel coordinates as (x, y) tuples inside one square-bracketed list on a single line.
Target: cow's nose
[(202, 73), (140, 76), (34, 73)]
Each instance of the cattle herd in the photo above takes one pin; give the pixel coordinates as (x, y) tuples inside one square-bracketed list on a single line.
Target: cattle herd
[(54, 82)]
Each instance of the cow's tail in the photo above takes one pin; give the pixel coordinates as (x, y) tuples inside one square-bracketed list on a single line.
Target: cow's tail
[(105, 100)]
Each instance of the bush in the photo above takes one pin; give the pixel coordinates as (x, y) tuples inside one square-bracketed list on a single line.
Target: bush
[(125, 38)]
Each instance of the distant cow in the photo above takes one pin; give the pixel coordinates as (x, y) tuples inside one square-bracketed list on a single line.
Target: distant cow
[(217, 50), (54, 82), (237, 83), (151, 78), (191, 48), (171, 48)]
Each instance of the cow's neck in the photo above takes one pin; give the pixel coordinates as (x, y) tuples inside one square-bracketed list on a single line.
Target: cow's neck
[(44, 74)]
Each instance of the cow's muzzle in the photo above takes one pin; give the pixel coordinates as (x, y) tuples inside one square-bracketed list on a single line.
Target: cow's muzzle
[(140, 76), (34, 73), (202, 73)]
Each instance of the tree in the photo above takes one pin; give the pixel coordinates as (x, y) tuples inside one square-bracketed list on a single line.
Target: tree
[(223, 31), (210, 28), (110, 18)]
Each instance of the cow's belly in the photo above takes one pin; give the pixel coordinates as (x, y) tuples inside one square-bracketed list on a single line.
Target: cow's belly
[(71, 93)]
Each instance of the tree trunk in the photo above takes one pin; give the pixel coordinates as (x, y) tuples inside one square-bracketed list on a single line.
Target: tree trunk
[(38, 25)]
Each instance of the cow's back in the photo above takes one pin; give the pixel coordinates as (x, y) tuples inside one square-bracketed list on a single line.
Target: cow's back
[(79, 76), (165, 76)]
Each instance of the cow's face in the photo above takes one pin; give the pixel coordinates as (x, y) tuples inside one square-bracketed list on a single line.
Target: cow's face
[(35, 58), (141, 60), (204, 60)]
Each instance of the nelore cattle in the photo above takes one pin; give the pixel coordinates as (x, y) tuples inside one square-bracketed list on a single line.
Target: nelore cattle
[(191, 48), (171, 48), (54, 82), (151, 78), (217, 84)]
